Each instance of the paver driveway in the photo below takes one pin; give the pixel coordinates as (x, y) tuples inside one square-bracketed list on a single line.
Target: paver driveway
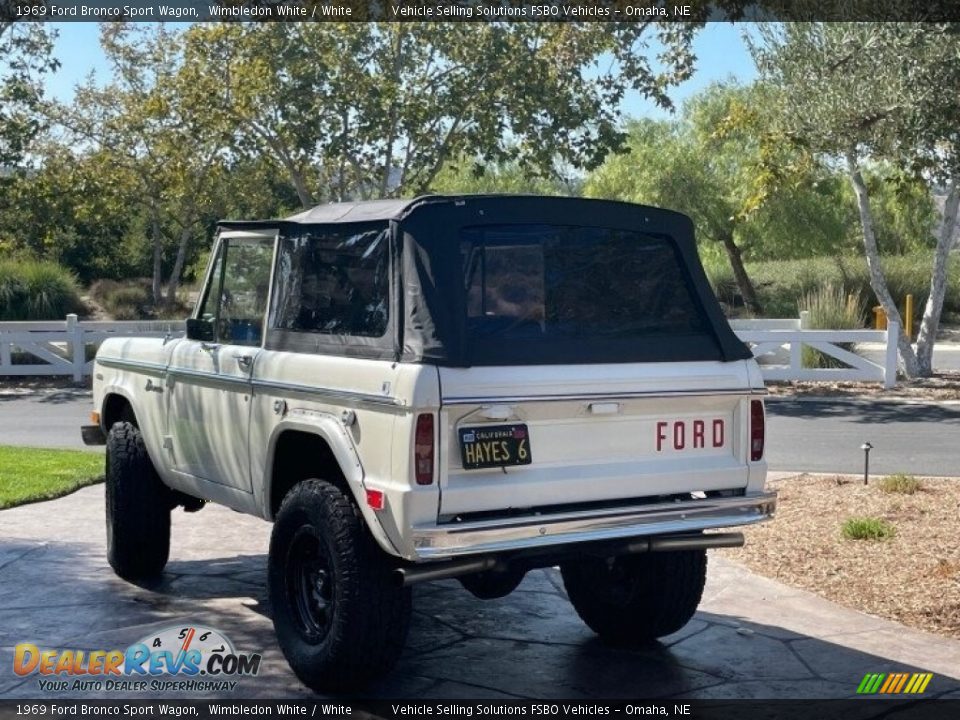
[(752, 638)]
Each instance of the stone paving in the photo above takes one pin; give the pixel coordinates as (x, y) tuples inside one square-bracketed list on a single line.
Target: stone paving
[(752, 637)]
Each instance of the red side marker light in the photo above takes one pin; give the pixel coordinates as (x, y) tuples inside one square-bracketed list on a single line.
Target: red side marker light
[(376, 499)]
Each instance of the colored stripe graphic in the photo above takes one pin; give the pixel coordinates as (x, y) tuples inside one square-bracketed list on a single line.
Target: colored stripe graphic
[(871, 683), (894, 683), (903, 681)]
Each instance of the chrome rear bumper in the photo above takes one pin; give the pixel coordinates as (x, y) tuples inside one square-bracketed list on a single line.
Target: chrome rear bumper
[(491, 536)]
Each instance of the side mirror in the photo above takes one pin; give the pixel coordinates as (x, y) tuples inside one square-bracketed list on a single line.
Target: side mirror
[(199, 329)]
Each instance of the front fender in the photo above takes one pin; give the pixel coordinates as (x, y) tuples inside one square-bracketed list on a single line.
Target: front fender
[(331, 430)]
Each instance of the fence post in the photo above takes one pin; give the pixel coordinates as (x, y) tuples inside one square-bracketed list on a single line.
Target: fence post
[(804, 319), (890, 362), (77, 349)]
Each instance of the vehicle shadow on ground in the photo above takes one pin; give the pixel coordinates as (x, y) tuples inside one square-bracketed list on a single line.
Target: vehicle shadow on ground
[(865, 411), (59, 396), (529, 644)]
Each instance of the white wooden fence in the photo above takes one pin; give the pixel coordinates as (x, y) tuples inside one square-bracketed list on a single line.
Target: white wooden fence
[(778, 347), (61, 347)]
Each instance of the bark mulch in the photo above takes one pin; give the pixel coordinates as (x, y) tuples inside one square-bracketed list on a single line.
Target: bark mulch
[(913, 577)]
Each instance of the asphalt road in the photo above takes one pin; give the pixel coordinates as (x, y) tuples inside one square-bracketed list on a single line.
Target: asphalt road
[(44, 418), (825, 436), (804, 435)]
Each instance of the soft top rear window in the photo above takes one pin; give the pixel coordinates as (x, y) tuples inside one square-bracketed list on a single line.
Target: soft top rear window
[(572, 284)]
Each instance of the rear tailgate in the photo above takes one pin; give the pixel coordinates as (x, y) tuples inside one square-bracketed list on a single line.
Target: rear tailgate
[(594, 434)]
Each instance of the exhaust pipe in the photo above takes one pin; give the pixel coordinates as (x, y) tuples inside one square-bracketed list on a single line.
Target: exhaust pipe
[(406, 576), (410, 575), (686, 542)]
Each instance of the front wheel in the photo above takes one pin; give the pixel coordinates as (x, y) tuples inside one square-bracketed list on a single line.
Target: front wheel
[(339, 620), (634, 599), (138, 507)]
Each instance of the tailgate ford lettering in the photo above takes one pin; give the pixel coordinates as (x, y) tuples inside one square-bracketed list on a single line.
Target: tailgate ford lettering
[(681, 434)]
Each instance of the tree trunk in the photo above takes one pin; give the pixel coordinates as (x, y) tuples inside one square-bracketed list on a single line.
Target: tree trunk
[(157, 257), (878, 280), (938, 283), (747, 291), (177, 271), (393, 113)]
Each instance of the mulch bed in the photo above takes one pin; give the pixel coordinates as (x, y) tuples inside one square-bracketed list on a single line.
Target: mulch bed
[(941, 387), (913, 577)]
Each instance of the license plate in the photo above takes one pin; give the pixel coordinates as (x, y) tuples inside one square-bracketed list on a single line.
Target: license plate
[(494, 446)]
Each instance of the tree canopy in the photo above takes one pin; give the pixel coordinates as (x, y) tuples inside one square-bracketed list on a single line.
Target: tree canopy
[(886, 92)]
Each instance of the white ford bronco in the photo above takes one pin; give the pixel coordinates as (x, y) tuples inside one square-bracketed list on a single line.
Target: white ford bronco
[(448, 387)]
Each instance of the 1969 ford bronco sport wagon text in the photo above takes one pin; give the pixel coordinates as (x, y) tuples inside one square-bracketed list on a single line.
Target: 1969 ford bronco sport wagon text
[(446, 387)]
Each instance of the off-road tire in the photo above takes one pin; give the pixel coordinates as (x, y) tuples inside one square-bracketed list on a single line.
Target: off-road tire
[(138, 507), (340, 621), (631, 600), (492, 585)]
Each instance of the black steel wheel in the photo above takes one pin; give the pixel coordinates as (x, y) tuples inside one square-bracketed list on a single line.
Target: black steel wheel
[(340, 621), (310, 584)]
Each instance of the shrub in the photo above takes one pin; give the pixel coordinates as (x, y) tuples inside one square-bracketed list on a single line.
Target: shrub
[(782, 283), (721, 278), (831, 308), (37, 290), (867, 528), (129, 300), (899, 483)]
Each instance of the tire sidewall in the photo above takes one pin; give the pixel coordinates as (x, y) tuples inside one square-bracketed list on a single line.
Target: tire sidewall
[(370, 615)]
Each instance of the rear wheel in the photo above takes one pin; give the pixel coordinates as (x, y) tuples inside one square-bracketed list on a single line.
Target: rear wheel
[(634, 599), (138, 507), (491, 584), (339, 620)]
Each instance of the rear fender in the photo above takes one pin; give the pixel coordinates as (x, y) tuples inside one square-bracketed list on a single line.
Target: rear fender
[(329, 428)]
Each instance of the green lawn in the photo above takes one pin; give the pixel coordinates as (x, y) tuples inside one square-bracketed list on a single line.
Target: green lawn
[(33, 474)]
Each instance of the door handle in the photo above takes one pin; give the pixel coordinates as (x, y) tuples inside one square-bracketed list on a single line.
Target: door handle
[(209, 347), (244, 361)]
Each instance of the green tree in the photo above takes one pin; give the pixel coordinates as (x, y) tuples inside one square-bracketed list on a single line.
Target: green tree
[(357, 110), (26, 55), (706, 164), (151, 124), (881, 92), (470, 176)]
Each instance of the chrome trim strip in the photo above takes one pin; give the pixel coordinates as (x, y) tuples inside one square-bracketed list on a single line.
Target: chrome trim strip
[(313, 392), (144, 368), (600, 396), (209, 379), (489, 536)]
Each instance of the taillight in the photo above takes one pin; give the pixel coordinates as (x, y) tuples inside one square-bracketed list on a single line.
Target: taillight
[(757, 430), (423, 449)]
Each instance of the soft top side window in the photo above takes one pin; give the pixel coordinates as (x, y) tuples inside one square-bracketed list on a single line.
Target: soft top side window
[(334, 281), (234, 303)]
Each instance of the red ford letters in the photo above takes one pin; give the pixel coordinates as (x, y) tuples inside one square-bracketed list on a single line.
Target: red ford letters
[(682, 434)]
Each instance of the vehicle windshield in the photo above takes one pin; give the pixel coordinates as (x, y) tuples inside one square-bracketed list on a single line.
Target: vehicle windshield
[(565, 282)]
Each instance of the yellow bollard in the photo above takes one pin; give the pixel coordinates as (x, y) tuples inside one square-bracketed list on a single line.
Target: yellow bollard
[(908, 320), (879, 318)]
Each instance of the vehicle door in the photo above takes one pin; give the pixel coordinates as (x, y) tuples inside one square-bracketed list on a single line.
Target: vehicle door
[(211, 370)]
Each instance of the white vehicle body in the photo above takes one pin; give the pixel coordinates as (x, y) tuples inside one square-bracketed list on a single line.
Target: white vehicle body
[(619, 450)]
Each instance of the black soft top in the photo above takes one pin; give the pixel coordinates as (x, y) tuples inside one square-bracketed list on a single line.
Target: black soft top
[(363, 211), (427, 305)]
